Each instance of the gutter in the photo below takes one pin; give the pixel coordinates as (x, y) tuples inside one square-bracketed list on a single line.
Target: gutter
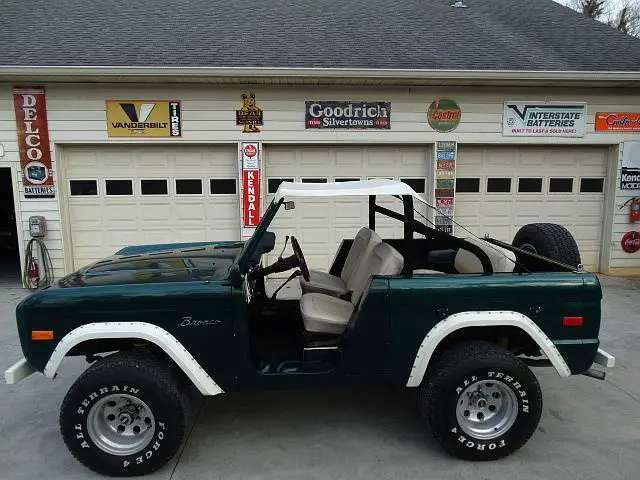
[(253, 74)]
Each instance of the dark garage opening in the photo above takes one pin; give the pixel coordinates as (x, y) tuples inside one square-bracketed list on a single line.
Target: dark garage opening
[(9, 255)]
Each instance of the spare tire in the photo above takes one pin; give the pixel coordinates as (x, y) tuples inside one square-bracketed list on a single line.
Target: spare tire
[(549, 240)]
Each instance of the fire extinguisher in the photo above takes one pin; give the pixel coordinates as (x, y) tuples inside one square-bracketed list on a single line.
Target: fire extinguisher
[(634, 210)]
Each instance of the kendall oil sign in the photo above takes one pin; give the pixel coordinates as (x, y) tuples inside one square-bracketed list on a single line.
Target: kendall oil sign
[(144, 118), (544, 119), (250, 184)]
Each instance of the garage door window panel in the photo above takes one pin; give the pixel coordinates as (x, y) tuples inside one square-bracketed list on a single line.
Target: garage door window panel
[(83, 188), (418, 184), (189, 186), (274, 183), (223, 186), (498, 185), (154, 187), (560, 185), (467, 185), (591, 185), (118, 187), (529, 185), (346, 179), (314, 180)]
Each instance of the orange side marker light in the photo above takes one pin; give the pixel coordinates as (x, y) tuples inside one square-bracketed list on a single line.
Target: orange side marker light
[(42, 335)]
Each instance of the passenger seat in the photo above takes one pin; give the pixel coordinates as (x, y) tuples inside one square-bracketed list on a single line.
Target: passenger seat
[(330, 315), (323, 282), (502, 260)]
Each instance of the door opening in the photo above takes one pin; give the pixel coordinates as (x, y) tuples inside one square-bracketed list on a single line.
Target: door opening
[(9, 253)]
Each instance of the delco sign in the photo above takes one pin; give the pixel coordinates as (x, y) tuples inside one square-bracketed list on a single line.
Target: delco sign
[(33, 142), (348, 115)]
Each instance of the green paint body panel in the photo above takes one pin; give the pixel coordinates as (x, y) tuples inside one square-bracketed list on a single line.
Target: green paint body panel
[(379, 345)]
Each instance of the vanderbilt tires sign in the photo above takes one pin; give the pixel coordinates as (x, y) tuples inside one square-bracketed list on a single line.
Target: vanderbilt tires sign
[(540, 119), (144, 118)]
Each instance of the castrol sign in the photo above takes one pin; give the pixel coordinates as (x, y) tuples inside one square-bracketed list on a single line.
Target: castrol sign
[(33, 142)]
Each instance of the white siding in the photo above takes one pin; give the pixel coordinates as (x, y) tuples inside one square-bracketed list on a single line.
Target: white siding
[(620, 260), (76, 114)]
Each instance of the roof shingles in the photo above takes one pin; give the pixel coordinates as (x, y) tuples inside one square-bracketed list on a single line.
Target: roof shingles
[(413, 34)]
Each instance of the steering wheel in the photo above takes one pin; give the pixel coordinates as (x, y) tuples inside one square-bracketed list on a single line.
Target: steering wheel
[(297, 251)]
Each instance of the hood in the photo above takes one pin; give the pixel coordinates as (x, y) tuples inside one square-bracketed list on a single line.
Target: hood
[(158, 264)]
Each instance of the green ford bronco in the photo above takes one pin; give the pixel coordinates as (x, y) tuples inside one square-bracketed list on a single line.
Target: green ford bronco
[(459, 319)]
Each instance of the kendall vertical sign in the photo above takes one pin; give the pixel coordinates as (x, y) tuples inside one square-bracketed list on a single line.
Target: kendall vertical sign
[(250, 184), (544, 119), (33, 142)]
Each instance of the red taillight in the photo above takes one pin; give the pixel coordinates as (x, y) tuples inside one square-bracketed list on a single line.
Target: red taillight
[(572, 321)]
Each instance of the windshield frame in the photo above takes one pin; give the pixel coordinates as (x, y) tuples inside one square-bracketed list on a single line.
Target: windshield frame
[(250, 246)]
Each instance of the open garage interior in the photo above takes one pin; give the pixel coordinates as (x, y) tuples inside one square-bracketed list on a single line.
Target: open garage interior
[(137, 194), (321, 224), (9, 256), (501, 188)]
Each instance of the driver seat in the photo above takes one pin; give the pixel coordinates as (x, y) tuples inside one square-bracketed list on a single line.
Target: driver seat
[(323, 282), (330, 315)]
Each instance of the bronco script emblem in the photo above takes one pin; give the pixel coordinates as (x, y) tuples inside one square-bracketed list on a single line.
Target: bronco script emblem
[(190, 322)]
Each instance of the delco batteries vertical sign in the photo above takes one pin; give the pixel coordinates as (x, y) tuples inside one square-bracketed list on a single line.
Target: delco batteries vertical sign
[(445, 185), (250, 153), (33, 142)]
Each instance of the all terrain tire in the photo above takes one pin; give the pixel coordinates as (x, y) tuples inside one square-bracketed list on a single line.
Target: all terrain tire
[(550, 240), (125, 415), (481, 402)]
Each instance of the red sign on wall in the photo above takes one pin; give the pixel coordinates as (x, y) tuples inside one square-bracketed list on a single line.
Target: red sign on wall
[(250, 184), (33, 142)]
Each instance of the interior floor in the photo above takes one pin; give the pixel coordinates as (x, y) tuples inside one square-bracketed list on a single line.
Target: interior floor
[(280, 345)]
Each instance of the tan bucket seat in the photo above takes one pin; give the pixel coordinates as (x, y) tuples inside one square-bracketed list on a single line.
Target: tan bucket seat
[(323, 282), (326, 314)]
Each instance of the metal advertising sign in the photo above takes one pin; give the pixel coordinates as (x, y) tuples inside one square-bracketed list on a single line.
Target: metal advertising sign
[(445, 185), (144, 118), (630, 174), (618, 122), (444, 115), (348, 115), (250, 184), (630, 242), (249, 115), (544, 119), (33, 142)]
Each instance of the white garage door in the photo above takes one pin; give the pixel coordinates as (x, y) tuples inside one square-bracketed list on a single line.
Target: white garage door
[(128, 195), (321, 224), (499, 189)]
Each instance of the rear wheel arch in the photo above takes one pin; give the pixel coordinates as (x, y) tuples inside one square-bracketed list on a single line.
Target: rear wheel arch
[(492, 326), (94, 337)]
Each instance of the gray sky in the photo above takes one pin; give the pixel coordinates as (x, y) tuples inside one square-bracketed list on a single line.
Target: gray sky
[(615, 3)]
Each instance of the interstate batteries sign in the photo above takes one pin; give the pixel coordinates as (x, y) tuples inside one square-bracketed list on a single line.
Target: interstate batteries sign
[(144, 118), (540, 119), (348, 115)]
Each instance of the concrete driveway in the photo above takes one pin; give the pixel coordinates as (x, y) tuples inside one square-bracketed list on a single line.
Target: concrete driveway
[(589, 429)]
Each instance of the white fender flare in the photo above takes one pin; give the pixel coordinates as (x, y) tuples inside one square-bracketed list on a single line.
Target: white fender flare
[(135, 330), (482, 319)]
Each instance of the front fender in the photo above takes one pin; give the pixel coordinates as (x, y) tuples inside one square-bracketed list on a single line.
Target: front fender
[(135, 330)]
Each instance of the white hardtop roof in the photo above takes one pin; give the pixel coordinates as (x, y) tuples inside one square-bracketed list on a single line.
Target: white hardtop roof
[(378, 186)]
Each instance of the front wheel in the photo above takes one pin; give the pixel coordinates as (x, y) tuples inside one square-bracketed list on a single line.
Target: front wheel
[(124, 416), (481, 402)]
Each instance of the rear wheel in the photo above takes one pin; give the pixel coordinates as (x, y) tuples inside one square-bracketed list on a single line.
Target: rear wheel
[(124, 416), (481, 402), (549, 240)]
